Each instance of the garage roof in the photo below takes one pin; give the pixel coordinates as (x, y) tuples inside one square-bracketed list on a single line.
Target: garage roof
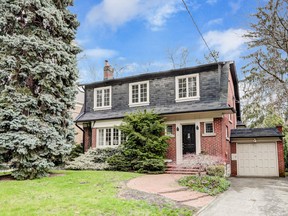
[(255, 132)]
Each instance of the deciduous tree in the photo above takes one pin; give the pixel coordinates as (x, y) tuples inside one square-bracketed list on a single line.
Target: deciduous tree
[(266, 74)]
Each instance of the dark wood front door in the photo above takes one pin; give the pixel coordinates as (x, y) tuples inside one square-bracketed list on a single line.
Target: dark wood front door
[(188, 139)]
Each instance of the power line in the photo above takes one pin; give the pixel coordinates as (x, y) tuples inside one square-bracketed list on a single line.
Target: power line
[(211, 53)]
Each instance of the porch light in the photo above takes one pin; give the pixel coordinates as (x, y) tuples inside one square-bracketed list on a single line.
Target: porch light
[(197, 128)]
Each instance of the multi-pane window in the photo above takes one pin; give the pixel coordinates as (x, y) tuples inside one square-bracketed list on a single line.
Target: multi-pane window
[(101, 137), (139, 93), (209, 129), (110, 137), (102, 98), (187, 87), (116, 137), (169, 130)]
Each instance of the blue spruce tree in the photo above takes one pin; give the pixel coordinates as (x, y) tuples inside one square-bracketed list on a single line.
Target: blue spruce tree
[(38, 76)]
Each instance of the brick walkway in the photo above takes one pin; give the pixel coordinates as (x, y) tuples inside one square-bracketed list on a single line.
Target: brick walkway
[(166, 185)]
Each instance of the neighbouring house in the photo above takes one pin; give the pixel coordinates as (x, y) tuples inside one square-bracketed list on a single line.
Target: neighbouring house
[(79, 102), (201, 108)]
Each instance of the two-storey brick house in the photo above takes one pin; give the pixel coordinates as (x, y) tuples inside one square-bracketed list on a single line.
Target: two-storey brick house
[(200, 106)]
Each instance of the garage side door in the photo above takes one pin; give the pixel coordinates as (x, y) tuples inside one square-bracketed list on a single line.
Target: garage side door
[(257, 159)]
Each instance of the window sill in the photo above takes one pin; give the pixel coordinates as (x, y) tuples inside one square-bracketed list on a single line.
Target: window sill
[(101, 108), (102, 147), (208, 134), (187, 99), (170, 135), (139, 104)]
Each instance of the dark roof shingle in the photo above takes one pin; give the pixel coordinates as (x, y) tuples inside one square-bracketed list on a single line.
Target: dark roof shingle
[(255, 132)]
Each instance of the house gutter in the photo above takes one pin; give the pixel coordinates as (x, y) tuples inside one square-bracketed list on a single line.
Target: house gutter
[(78, 117)]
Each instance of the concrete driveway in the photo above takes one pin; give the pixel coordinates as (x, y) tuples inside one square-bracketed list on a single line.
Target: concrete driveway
[(251, 196)]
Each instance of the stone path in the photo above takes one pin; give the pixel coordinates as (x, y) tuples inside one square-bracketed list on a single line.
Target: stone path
[(167, 186)]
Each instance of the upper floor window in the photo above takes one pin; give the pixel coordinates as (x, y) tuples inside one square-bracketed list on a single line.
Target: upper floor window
[(187, 88), (139, 94), (102, 98)]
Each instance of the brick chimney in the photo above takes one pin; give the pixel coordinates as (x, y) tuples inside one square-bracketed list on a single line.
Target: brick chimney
[(108, 71), (279, 128)]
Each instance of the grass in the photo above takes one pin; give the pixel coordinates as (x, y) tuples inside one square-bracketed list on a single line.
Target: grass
[(75, 193), (211, 185)]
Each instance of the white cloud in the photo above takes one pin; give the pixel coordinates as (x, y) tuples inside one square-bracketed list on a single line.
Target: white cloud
[(115, 13), (235, 6), (81, 42), (211, 2), (99, 53), (215, 22), (229, 43)]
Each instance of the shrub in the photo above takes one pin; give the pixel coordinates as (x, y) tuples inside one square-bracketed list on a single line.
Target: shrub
[(151, 166), (119, 162), (145, 147), (77, 150), (201, 160), (218, 170), (211, 185), (93, 159)]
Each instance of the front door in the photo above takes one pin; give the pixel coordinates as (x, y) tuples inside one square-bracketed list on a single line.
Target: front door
[(188, 139)]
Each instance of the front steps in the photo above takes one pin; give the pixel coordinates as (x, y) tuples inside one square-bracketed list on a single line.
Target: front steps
[(178, 169)]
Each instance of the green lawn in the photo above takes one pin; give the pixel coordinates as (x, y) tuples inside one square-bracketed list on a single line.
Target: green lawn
[(75, 193)]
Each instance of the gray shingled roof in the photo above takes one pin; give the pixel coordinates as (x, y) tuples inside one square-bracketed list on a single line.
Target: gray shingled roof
[(255, 132), (213, 92), (173, 108)]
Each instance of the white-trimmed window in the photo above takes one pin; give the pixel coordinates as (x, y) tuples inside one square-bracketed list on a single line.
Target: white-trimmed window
[(169, 130), (208, 129), (231, 118), (109, 137), (102, 98), (139, 94), (187, 87), (227, 133)]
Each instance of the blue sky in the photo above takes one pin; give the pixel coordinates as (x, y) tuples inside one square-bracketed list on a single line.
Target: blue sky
[(138, 36)]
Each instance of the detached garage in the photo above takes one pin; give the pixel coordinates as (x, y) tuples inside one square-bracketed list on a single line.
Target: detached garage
[(257, 152)]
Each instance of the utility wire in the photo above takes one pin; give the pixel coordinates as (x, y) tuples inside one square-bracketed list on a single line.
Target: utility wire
[(211, 53)]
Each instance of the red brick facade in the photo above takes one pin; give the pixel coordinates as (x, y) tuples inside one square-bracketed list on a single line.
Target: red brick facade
[(281, 162), (233, 162), (212, 145), (87, 138), (93, 139), (171, 152), (218, 144)]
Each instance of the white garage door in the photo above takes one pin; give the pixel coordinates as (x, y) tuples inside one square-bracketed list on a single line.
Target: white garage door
[(257, 159)]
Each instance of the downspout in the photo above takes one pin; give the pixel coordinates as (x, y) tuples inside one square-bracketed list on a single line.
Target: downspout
[(83, 137), (84, 111)]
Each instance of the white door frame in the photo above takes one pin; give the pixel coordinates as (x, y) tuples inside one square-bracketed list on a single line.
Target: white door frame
[(179, 144)]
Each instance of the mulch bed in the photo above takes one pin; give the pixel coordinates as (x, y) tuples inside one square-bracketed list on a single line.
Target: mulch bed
[(7, 177)]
